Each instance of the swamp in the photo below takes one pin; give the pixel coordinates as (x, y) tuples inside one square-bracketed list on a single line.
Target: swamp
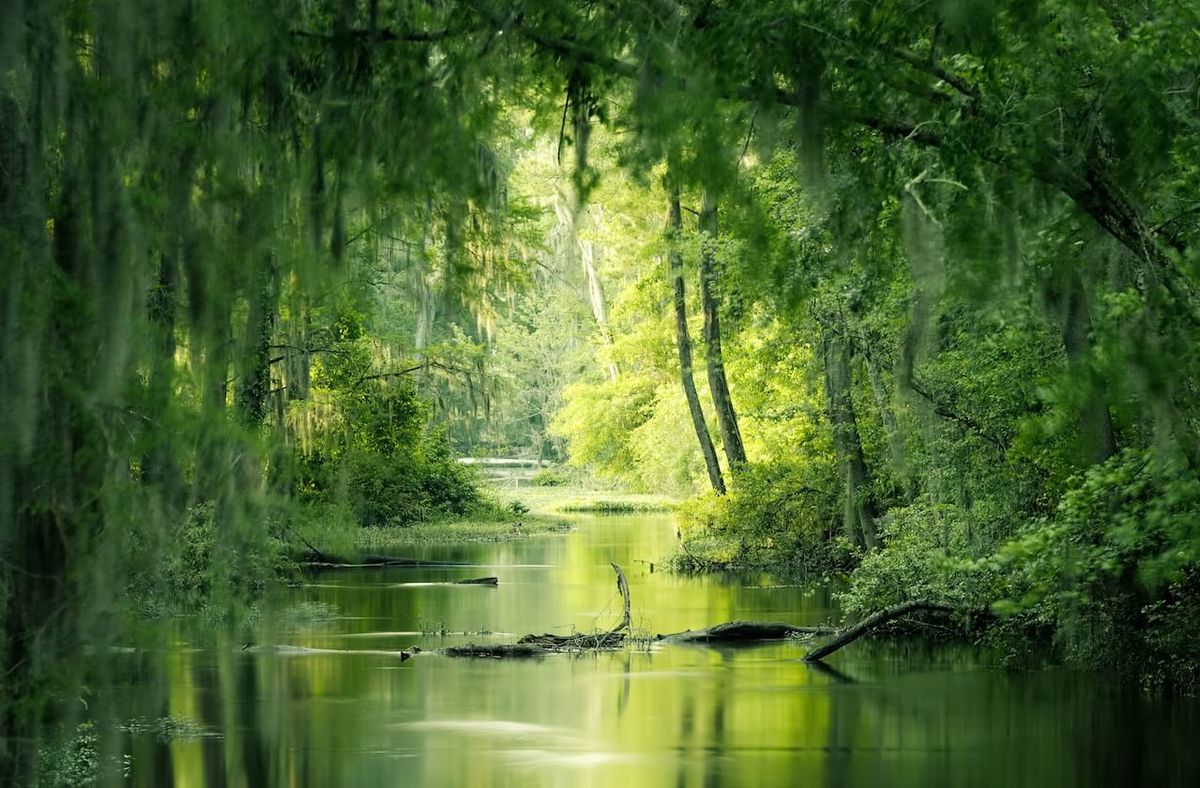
[(599, 392)]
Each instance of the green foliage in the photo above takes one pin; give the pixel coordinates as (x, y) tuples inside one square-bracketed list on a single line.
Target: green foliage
[(204, 563), (924, 558), (554, 476), (1117, 562), (778, 514), (253, 261), (74, 762), (377, 455)]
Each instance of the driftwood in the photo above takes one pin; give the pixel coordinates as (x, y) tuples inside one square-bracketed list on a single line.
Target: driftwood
[(729, 632), (474, 581), (540, 645), (497, 651), (479, 581), (850, 634), (744, 632)]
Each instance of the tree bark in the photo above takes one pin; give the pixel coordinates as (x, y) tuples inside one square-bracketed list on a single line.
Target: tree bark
[(1096, 433), (859, 514), (254, 383), (684, 343), (568, 208), (731, 436), (847, 636)]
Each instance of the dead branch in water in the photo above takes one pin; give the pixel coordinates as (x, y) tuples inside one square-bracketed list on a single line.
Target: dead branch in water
[(540, 645), (847, 636), (727, 633), (744, 632)]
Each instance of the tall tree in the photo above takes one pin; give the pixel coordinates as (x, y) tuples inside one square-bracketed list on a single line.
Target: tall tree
[(860, 507), (718, 386), (684, 343)]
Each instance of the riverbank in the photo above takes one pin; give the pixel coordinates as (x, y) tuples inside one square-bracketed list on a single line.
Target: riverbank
[(554, 501), (333, 529)]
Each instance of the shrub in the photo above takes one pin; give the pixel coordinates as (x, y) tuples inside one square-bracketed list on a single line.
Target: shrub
[(551, 477), (1114, 571), (776, 514), (377, 455), (915, 561)]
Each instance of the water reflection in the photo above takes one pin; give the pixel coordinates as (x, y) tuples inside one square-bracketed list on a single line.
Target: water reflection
[(321, 699)]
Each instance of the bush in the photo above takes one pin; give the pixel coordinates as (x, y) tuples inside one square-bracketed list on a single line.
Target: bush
[(775, 515), (551, 477), (378, 457), (1114, 571), (916, 562)]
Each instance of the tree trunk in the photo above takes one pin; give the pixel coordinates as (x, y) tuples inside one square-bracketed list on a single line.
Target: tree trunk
[(883, 402), (1116, 214), (674, 224), (254, 382), (847, 636), (859, 515), (1096, 434), (744, 632), (587, 258), (568, 208), (731, 436)]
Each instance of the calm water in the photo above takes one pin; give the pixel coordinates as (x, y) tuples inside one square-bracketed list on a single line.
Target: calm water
[(316, 700)]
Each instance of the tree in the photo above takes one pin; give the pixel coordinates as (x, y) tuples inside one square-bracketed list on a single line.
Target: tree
[(731, 436), (684, 344)]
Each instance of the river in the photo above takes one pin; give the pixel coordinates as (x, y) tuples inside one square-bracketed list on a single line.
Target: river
[(308, 695)]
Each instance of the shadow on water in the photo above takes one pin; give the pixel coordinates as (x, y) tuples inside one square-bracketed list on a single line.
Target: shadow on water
[(320, 698)]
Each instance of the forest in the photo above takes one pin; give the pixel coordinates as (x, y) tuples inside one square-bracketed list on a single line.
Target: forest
[(899, 299)]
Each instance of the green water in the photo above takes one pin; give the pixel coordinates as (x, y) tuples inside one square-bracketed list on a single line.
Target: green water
[(303, 702)]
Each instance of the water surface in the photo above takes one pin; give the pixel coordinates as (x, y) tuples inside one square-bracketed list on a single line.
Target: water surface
[(313, 694)]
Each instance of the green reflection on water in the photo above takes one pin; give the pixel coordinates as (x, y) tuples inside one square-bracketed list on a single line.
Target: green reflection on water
[(907, 714)]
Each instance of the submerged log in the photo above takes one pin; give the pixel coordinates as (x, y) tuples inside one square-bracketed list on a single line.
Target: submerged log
[(744, 632), (547, 643), (847, 636), (497, 651), (479, 581)]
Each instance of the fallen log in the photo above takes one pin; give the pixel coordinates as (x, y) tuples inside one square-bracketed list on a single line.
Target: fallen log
[(547, 643), (497, 651), (850, 634), (475, 581), (744, 632)]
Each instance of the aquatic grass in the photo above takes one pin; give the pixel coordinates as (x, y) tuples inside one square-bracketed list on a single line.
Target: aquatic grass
[(458, 531), (334, 530), (579, 500)]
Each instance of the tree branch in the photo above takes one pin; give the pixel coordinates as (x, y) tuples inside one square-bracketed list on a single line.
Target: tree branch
[(847, 636)]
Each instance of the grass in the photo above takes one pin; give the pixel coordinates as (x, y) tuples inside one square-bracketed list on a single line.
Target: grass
[(333, 529), (506, 514), (470, 530), (549, 501)]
